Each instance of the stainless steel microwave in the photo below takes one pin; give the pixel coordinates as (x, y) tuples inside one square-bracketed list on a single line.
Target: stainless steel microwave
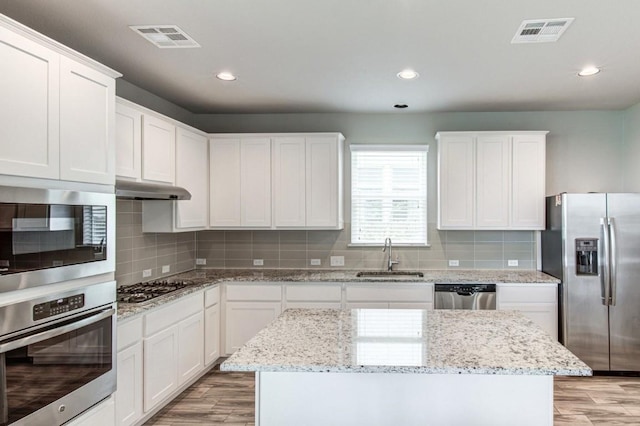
[(50, 235)]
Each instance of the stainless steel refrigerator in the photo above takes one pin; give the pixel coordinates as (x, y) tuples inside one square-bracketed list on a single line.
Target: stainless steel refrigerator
[(592, 243)]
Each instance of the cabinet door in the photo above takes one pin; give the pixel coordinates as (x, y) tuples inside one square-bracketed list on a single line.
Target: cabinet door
[(190, 347), (211, 334), (456, 182), (245, 319), (158, 150), (255, 183), (224, 184), (528, 187), (128, 142), (323, 188), (29, 111), (493, 177), (366, 305), (410, 305), (192, 172), (545, 315), (129, 393), (160, 366), (314, 305), (289, 203), (87, 120)]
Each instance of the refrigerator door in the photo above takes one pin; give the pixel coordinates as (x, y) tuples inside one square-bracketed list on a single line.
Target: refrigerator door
[(624, 316), (586, 317)]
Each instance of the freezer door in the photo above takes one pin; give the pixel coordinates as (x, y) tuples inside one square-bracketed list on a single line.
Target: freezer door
[(585, 316), (624, 316)]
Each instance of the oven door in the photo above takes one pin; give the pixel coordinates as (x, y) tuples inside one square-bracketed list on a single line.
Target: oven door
[(54, 373)]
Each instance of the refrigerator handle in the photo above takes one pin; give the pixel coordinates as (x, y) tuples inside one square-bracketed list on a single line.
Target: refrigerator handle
[(613, 258), (605, 279)]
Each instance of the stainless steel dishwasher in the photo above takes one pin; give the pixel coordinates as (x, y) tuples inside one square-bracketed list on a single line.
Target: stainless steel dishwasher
[(465, 296)]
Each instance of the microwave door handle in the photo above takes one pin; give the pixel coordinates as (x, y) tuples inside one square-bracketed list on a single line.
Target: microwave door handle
[(614, 261), (605, 279), (38, 337)]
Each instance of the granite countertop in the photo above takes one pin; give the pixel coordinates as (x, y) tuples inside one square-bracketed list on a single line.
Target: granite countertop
[(203, 278), (405, 341)]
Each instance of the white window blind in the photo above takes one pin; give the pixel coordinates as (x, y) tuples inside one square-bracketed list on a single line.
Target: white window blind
[(94, 227), (389, 194)]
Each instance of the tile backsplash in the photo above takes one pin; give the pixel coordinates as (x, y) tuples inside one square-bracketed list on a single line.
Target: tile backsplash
[(296, 249), (136, 252)]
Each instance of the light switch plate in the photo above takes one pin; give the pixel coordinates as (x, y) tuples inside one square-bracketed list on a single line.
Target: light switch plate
[(258, 262), (316, 262), (454, 262), (166, 268), (146, 273), (512, 262), (337, 260), (201, 261)]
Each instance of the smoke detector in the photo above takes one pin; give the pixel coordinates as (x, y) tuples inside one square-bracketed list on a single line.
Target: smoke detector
[(541, 30), (165, 36)]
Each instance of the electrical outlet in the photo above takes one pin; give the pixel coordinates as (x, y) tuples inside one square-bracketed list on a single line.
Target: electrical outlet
[(337, 260), (454, 262), (512, 262), (258, 262), (316, 262), (201, 261), (146, 273), (166, 268)]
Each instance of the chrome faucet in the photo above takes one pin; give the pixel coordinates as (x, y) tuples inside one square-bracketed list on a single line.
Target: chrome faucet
[(390, 262)]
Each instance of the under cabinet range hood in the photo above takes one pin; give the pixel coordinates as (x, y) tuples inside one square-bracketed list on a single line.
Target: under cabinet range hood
[(150, 191)]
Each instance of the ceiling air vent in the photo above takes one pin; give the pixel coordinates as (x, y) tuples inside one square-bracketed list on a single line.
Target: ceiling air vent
[(541, 30), (165, 36)]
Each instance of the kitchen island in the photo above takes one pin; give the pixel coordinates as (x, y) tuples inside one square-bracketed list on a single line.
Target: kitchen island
[(409, 367)]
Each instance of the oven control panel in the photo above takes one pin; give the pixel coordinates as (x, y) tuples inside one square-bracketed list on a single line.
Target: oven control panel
[(58, 306)]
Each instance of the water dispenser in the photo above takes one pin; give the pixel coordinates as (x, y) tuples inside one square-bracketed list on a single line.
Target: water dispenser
[(586, 256)]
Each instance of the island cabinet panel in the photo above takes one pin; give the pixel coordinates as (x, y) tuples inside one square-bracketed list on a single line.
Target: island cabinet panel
[(87, 120), (128, 397), (491, 180), (392, 295), (538, 302)]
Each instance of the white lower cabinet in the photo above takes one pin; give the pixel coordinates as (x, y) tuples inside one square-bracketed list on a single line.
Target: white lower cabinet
[(129, 394), (389, 296), (160, 366), (248, 309), (211, 325), (102, 414), (538, 302), (313, 296), (190, 347)]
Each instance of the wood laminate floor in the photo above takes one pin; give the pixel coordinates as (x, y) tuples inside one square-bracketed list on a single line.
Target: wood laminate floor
[(227, 399)]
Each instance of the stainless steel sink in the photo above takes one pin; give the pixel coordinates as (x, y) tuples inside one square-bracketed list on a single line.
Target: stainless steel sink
[(390, 274)]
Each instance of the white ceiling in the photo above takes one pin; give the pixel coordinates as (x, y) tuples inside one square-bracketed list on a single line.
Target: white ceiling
[(343, 55)]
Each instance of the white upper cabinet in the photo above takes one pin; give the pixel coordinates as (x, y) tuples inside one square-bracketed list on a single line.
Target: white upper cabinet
[(87, 120), (491, 180), (192, 172), (289, 188), (158, 150), (224, 184), (128, 142), (255, 182), (57, 110)]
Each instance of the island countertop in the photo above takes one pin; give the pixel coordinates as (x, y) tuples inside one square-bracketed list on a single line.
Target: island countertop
[(405, 341)]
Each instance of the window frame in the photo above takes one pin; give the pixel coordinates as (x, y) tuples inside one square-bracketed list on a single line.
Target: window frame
[(391, 148)]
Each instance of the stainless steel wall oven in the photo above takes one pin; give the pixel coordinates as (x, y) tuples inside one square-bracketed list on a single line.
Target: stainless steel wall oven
[(57, 355), (49, 236)]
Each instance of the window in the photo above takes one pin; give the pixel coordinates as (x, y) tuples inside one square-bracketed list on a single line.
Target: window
[(389, 194)]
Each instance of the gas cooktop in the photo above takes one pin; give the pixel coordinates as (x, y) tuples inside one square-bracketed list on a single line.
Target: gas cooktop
[(142, 292)]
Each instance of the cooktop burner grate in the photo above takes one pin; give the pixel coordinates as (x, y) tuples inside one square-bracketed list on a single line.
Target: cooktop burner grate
[(142, 292)]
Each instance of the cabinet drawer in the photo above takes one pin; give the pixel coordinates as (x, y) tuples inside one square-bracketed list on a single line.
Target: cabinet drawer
[(386, 294), (164, 317), (523, 293), (254, 292), (212, 296), (129, 333), (314, 293)]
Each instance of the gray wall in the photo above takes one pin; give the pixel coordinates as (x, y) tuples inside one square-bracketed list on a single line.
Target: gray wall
[(585, 152), (631, 150)]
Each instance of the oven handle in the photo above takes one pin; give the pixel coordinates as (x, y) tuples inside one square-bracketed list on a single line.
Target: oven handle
[(38, 337)]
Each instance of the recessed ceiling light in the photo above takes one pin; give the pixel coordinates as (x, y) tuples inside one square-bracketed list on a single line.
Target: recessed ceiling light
[(226, 76), (407, 74), (401, 106), (586, 72)]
